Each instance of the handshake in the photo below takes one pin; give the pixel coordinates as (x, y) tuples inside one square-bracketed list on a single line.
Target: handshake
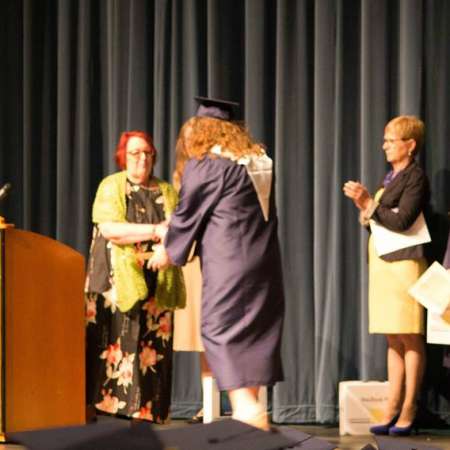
[(158, 259)]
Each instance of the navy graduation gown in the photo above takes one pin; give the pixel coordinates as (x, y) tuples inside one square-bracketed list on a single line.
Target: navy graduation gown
[(242, 292)]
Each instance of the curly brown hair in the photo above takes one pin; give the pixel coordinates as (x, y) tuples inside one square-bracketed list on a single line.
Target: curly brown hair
[(199, 134)]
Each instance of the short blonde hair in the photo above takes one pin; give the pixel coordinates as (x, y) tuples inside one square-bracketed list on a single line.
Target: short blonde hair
[(199, 134), (409, 127)]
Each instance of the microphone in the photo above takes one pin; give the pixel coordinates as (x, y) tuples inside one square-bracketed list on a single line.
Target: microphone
[(4, 191)]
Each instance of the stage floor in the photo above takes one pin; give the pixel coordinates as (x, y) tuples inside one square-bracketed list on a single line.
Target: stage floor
[(434, 438)]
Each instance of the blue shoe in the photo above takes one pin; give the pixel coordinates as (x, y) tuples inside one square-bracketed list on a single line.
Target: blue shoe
[(404, 431), (384, 429)]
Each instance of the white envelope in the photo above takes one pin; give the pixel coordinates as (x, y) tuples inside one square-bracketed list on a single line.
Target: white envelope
[(438, 328), (387, 241), (432, 289)]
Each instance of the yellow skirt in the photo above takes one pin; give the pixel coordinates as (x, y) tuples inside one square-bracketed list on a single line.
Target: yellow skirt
[(391, 309)]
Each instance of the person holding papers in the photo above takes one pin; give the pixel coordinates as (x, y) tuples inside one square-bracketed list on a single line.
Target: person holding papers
[(397, 207)]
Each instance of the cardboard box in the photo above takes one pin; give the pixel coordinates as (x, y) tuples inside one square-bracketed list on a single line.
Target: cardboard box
[(361, 405)]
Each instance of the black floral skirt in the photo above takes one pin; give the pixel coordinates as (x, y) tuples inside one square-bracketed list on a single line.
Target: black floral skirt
[(129, 358)]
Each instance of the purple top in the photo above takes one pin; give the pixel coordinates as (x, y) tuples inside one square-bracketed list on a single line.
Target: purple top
[(389, 177), (447, 254)]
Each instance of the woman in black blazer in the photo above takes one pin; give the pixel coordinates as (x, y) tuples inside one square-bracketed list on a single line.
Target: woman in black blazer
[(403, 196)]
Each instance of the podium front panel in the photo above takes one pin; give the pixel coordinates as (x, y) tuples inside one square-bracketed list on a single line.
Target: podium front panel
[(43, 333), (2, 334)]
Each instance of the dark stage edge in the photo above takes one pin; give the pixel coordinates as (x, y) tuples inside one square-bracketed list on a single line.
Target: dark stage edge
[(114, 434)]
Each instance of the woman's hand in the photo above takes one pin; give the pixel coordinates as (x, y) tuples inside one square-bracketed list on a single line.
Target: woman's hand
[(160, 259), (358, 193), (160, 230)]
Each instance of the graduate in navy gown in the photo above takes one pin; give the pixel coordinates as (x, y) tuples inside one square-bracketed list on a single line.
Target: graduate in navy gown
[(227, 209)]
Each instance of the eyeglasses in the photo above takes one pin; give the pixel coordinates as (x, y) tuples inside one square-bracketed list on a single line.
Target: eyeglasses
[(138, 153), (391, 141)]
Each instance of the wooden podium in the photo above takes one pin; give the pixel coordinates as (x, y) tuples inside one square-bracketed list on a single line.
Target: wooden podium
[(42, 349)]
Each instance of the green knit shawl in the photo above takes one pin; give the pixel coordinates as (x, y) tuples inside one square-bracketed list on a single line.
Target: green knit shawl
[(110, 206)]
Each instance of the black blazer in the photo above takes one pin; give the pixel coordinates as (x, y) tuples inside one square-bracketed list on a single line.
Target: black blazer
[(409, 191)]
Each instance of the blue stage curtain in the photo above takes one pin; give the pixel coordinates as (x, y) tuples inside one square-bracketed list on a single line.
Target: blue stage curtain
[(317, 81)]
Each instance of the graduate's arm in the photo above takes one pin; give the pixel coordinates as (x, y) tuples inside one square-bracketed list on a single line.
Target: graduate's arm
[(200, 192)]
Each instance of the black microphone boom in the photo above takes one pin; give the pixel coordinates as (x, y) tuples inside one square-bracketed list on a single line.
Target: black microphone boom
[(4, 191)]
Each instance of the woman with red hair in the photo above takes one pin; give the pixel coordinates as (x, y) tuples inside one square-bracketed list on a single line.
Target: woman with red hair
[(129, 308)]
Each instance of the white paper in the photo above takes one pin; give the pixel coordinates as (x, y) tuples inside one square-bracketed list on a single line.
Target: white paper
[(387, 241), (438, 328), (432, 289)]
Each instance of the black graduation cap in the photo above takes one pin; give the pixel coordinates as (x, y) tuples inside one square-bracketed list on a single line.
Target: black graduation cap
[(227, 434), (394, 443), (304, 441), (216, 108), (112, 434)]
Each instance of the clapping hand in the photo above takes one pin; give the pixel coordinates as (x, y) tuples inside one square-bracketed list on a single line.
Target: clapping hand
[(358, 193)]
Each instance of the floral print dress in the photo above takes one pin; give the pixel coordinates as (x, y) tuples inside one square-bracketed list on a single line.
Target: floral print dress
[(129, 354)]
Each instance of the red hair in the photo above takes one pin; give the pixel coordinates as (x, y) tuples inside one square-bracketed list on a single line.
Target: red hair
[(121, 148)]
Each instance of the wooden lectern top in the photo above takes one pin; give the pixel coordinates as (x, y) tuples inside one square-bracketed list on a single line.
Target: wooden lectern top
[(4, 225)]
